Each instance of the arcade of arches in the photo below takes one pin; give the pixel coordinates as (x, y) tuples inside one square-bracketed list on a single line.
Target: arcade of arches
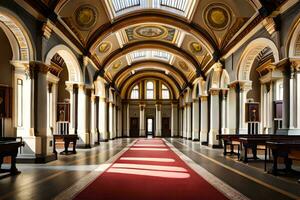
[(180, 73)]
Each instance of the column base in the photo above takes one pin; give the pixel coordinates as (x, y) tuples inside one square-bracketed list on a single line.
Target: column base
[(243, 131), (84, 140), (196, 140), (103, 136), (103, 140), (213, 137), (83, 146), (142, 133), (204, 143), (295, 131), (225, 131), (217, 146), (203, 136), (36, 158)]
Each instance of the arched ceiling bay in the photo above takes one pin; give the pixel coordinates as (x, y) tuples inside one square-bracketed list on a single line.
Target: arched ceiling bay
[(151, 74), (179, 61), (184, 34), (146, 66)]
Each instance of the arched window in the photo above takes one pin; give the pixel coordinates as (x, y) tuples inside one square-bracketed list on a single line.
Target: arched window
[(150, 90), (135, 92), (165, 92)]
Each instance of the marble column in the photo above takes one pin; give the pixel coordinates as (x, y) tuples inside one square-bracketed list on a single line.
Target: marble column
[(158, 120), (174, 120), (214, 117), (115, 121), (184, 126), (70, 89), (84, 136), (142, 121), (224, 122), (244, 87), (128, 120), (110, 121), (43, 108), (291, 98), (119, 121), (189, 120), (232, 107), (298, 99), (180, 122), (94, 135), (204, 120), (102, 121), (196, 113)]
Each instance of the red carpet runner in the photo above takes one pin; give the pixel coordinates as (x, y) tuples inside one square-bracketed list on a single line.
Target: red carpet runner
[(150, 170)]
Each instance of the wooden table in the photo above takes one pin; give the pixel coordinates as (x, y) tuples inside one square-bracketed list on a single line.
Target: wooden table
[(67, 140), (282, 149), (9, 147)]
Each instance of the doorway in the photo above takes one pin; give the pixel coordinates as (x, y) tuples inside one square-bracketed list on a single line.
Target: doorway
[(166, 131), (134, 127), (150, 127)]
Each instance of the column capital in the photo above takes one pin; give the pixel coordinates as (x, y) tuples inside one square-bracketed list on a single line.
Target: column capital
[(93, 98), (195, 100), (102, 99), (214, 91), (295, 65), (203, 97), (69, 86)]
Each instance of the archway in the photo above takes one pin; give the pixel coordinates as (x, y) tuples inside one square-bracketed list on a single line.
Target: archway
[(70, 80), (17, 50), (258, 77)]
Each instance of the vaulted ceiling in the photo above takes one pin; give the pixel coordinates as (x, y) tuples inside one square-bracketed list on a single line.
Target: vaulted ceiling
[(182, 38)]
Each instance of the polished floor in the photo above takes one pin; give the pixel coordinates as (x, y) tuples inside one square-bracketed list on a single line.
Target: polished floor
[(46, 181)]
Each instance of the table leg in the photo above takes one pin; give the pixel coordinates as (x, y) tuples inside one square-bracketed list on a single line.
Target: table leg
[(67, 143), (13, 169), (266, 152), (275, 157), (74, 146), (225, 148), (1, 161), (254, 152)]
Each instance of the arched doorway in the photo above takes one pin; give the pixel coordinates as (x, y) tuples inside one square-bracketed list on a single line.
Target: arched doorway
[(70, 93), (258, 81), (16, 52)]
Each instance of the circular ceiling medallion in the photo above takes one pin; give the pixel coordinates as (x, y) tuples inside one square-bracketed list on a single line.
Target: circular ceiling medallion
[(217, 16), (104, 47), (195, 47), (85, 16), (151, 32), (117, 65), (183, 66)]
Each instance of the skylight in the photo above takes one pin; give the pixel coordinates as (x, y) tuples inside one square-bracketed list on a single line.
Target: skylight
[(149, 54), (183, 8), (120, 5), (180, 5)]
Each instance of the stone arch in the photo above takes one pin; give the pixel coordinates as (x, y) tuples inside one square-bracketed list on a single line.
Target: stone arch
[(225, 80), (74, 70), (17, 35), (250, 53), (293, 43)]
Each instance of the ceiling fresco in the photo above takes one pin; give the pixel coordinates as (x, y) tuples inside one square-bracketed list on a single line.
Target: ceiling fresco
[(184, 34)]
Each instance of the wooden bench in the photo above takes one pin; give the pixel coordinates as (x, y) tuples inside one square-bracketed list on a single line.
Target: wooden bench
[(67, 139), (285, 149), (233, 140), (9, 147)]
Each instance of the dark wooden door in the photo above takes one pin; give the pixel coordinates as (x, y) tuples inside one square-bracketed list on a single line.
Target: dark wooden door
[(165, 127), (134, 127)]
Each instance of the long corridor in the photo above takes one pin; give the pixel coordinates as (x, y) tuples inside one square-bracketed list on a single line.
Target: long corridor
[(147, 169)]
